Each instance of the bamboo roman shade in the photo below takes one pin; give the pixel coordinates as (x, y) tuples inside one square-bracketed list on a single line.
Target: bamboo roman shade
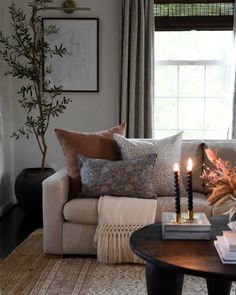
[(184, 15)]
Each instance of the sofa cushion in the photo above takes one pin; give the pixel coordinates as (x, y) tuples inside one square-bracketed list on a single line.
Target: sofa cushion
[(194, 150), (81, 210), (131, 178), (85, 210), (99, 145), (168, 152), (226, 150)]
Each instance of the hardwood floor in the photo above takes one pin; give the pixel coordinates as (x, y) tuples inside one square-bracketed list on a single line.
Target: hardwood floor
[(14, 228)]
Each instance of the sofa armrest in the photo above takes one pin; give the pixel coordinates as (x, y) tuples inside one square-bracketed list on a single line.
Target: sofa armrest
[(55, 195)]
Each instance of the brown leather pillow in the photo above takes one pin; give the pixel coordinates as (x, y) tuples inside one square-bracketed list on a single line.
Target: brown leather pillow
[(98, 145)]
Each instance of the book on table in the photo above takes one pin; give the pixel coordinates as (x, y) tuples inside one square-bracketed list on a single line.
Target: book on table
[(185, 235), (222, 255), (230, 240), (226, 247), (196, 229), (226, 253), (232, 225)]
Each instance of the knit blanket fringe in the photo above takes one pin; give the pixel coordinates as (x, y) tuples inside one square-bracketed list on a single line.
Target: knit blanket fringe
[(113, 244), (118, 218)]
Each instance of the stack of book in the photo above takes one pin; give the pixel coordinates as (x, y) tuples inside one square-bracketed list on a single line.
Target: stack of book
[(226, 247), (197, 229), (232, 225)]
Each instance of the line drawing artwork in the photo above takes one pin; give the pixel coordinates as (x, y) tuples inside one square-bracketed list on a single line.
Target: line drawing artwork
[(79, 50), (78, 71)]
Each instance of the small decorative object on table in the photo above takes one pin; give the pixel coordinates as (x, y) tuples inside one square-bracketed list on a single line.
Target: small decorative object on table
[(222, 181), (196, 229), (190, 215), (188, 226)]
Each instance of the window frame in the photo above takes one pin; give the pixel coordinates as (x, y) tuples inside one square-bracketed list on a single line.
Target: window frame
[(178, 97), (199, 22)]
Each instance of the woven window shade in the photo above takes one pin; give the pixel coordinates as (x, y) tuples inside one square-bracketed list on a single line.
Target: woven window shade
[(184, 15)]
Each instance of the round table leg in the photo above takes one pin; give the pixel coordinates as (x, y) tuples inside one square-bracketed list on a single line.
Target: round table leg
[(218, 286), (162, 282)]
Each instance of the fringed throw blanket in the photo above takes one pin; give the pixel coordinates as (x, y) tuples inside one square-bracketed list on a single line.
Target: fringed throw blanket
[(118, 218)]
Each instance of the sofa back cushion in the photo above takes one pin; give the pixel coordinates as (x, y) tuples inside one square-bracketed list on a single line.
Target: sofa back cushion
[(226, 150), (192, 149), (100, 145)]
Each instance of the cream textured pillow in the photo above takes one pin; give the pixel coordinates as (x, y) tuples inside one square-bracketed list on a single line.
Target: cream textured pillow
[(168, 152)]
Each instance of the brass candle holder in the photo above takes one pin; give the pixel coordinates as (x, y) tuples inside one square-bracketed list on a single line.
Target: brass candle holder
[(178, 218), (190, 215)]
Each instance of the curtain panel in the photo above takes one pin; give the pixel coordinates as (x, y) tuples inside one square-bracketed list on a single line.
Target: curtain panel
[(137, 80), (234, 88)]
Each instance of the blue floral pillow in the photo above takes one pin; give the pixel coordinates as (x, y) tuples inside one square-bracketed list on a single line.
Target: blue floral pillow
[(129, 178)]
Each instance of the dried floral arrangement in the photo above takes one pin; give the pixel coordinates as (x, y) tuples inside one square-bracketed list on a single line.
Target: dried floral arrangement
[(221, 180)]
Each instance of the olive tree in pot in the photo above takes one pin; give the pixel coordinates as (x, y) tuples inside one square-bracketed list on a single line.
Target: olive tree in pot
[(25, 52)]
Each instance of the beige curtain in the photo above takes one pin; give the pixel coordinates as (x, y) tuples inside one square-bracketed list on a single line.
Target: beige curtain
[(137, 91), (234, 90)]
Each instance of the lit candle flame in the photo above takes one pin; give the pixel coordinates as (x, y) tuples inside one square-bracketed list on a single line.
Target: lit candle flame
[(190, 165), (176, 167)]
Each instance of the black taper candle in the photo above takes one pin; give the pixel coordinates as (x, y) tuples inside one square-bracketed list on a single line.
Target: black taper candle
[(177, 190), (189, 186), (190, 190)]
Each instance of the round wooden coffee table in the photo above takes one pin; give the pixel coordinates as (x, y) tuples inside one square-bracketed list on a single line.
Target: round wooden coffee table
[(168, 260)]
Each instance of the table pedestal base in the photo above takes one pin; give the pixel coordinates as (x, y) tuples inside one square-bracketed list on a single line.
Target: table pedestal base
[(218, 286), (162, 282)]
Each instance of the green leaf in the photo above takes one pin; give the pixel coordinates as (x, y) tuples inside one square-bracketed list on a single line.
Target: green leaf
[(24, 51)]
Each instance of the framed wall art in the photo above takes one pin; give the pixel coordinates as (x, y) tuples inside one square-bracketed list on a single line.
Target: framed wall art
[(78, 70)]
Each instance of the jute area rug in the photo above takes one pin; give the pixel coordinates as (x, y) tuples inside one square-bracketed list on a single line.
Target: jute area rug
[(27, 271)]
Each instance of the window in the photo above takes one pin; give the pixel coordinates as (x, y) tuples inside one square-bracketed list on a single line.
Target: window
[(193, 84), (193, 71)]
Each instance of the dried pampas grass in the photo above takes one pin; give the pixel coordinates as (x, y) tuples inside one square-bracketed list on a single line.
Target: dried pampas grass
[(221, 180)]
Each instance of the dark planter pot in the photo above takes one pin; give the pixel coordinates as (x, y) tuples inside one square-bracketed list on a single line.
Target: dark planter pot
[(28, 190)]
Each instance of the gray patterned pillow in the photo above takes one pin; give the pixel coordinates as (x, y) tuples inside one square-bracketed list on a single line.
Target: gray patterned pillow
[(168, 152), (130, 178)]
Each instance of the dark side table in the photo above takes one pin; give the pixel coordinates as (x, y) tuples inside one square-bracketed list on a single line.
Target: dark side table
[(168, 260)]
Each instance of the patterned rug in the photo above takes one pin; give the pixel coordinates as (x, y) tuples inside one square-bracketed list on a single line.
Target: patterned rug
[(27, 271)]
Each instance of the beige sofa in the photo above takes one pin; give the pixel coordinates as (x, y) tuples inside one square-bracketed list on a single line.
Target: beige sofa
[(69, 225)]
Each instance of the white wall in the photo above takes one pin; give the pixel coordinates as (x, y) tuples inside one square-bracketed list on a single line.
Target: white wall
[(88, 111)]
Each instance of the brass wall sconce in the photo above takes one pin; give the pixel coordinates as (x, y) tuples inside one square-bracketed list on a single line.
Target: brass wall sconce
[(68, 6)]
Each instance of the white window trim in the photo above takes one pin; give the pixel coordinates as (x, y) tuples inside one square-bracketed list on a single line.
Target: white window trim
[(193, 62)]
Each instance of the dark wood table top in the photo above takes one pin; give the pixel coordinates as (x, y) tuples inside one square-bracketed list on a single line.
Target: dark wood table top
[(198, 258)]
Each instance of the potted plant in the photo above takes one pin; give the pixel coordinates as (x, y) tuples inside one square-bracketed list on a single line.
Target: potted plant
[(25, 53)]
